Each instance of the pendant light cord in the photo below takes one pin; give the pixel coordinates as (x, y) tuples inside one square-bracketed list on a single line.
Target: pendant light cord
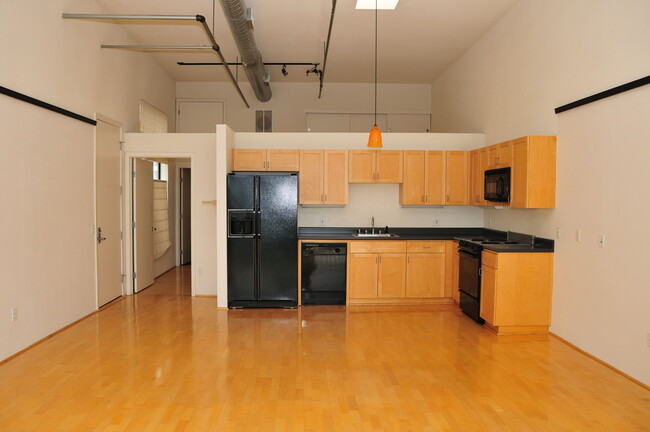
[(375, 62)]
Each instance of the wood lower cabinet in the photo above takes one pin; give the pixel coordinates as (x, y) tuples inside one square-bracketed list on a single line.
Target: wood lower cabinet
[(323, 177), (396, 272), (425, 269), (375, 166), (516, 290)]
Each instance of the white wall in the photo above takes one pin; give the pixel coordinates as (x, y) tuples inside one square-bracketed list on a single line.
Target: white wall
[(201, 148), (291, 101), (47, 267), (378, 200), (540, 56)]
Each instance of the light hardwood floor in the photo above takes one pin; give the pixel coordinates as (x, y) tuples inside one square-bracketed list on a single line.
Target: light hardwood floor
[(165, 361)]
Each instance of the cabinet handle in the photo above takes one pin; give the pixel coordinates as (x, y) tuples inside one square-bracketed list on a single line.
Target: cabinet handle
[(379, 259), (376, 260), (426, 198), (497, 161), (422, 198), (447, 198), (408, 260), (325, 200)]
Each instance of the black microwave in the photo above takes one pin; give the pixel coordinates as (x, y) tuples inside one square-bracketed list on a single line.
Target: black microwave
[(497, 185)]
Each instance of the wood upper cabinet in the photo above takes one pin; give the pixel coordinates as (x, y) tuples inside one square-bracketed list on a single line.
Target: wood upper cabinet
[(499, 155), (323, 177), (425, 269), (375, 166), (424, 178), (493, 156), (265, 160), (249, 159), (532, 183), (516, 291), (283, 160), (457, 178), (475, 178)]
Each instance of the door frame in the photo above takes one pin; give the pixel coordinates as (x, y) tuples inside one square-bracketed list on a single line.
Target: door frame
[(181, 100), (128, 209), (113, 122), (177, 205)]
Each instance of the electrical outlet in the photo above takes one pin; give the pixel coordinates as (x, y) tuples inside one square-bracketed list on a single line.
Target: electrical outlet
[(322, 221), (14, 314), (602, 240), (435, 222), (557, 232), (578, 235)]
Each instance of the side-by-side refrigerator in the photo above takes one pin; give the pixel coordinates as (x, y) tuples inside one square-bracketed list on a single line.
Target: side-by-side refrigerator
[(262, 240)]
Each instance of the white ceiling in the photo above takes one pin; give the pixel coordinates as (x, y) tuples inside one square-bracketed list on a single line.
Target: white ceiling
[(417, 41)]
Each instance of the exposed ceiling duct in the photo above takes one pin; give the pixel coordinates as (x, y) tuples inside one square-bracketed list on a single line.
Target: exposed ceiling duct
[(235, 13)]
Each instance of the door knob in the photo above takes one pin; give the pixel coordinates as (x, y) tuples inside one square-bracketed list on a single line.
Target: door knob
[(154, 229)]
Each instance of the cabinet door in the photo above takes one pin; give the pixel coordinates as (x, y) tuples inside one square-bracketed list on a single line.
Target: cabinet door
[(474, 178), (434, 191), (335, 178), (519, 174), (283, 160), (457, 178), (505, 154), (488, 294), (392, 275), (311, 177), (411, 191), (493, 156), (362, 281), (425, 275), (362, 166), (483, 166), (249, 160), (389, 164)]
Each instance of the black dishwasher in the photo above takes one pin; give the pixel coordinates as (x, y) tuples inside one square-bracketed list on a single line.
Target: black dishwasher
[(323, 273)]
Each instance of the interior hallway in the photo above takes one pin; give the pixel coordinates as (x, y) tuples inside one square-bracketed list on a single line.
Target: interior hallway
[(165, 361)]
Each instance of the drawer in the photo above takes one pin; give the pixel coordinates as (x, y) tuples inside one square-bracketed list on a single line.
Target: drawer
[(377, 246), (489, 259), (425, 246)]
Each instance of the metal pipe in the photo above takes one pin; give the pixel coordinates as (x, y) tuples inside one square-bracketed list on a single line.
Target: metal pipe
[(235, 12), (327, 48), (132, 17), (158, 47), (199, 18)]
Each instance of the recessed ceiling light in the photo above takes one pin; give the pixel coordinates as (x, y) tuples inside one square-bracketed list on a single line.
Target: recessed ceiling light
[(381, 4)]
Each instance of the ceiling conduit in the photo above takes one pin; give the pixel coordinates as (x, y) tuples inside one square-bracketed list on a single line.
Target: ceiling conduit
[(235, 12)]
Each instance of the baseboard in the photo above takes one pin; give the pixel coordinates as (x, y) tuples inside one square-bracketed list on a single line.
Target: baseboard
[(40, 341), (591, 356), (205, 296)]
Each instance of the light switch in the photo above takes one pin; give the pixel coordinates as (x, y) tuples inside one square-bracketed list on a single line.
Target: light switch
[(578, 235)]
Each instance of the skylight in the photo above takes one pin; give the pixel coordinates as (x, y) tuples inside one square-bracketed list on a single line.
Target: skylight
[(381, 4)]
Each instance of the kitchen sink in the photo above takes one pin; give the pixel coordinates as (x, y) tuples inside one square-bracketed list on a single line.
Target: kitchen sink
[(374, 235)]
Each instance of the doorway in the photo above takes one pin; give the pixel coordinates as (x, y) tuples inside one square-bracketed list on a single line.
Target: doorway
[(156, 203), (185, 216)]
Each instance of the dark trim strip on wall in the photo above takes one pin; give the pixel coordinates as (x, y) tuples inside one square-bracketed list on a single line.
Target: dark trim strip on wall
[(47, 106), (605, 94)]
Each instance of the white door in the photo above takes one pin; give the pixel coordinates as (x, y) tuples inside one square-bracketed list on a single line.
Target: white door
[(109, 245), (186, 215), (199, 116), (143, 223)]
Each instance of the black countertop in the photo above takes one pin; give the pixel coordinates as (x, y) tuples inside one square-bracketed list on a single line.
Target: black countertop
[(346, 233)]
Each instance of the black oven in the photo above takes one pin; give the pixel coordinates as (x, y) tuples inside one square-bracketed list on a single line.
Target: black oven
[(497, 185), (469, 279)]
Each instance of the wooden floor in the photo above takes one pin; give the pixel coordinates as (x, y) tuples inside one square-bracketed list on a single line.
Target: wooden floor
[(165, 361)]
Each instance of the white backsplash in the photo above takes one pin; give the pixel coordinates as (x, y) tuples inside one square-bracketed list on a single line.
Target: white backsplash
[(382, 202)]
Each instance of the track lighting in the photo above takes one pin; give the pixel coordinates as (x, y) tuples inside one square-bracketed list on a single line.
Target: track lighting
[(284, 70), (315, 70)]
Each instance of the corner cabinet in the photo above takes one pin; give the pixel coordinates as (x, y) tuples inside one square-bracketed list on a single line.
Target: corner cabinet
[(516, 290), (323, 178)]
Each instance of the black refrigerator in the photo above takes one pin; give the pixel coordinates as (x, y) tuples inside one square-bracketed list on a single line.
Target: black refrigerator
[(262, 240)]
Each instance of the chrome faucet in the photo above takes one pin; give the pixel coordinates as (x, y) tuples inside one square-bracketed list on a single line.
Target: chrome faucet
[(372, 221)]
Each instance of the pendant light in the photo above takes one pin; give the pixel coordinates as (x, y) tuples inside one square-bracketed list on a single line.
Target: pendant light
[(374, 140)]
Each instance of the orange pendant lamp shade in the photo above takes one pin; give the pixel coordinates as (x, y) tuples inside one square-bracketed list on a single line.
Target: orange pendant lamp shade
[(374, 140)]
